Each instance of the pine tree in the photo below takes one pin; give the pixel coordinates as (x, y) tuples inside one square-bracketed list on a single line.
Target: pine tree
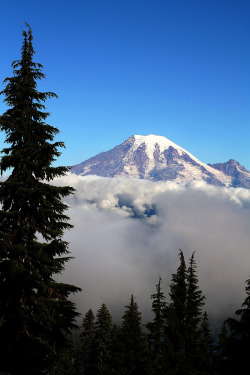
[(175, 316), (65, 362), (239, 343), (194, 304), (156, 331), (35, 311), (206, 337), (133, 341), (241, 327), (101, 348), (206, 351), (116, 350), (183, 337), (223, 362), (86, 344)]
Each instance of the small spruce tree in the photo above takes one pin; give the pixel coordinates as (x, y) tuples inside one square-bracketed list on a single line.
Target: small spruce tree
[(156, 331), (35, 312)]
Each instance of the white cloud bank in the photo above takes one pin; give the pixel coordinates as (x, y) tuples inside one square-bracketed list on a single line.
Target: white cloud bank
[(127, 232)]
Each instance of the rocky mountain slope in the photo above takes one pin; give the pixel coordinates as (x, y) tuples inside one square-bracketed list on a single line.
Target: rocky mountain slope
[(240, 175), (156, 158)]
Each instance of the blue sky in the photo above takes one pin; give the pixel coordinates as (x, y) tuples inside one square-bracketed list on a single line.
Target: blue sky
[(177, 68)]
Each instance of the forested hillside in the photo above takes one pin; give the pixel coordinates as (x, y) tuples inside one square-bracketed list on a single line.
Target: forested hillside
[(177, 340)]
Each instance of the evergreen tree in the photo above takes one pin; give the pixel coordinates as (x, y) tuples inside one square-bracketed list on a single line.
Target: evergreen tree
[(116, 350), (206, 359), (241, 327), (101, 348), (238, 346), (133, 341), (175, 315), (207, 342), (184, 337), (65, 362), (85, 360), (194, 303), (156, 331), (223, 363), (35, 311)]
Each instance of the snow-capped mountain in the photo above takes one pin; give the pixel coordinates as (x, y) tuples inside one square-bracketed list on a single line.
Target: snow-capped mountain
[(156, 158), (240, 175)]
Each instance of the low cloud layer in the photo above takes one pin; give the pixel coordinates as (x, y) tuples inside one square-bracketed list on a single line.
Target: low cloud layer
[(127, 232)]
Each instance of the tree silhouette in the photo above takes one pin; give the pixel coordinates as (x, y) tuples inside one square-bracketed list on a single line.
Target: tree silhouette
[(35, 312)]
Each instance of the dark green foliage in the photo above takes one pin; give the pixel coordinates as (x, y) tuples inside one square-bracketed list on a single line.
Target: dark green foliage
[(133, 356), (101, 349), (175, 316), (206, 351), (241, 328), (65, 362), (35, 312), (195, 299), (126, 352), (238, 344), (194, 303), (187, 332), (156, 332), (116, 365), (223, 363), (207, 342), (86, 344)]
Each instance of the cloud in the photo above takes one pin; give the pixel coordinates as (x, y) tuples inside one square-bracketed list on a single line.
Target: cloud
[(127, 232)]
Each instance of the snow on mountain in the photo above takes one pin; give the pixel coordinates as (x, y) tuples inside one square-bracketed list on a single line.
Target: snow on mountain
[(240, 175), (154, 158)]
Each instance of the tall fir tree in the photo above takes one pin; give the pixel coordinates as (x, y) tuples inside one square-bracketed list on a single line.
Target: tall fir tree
[(156, 331), (84, 357), (134, 352), (175, 316), (194, 316), (184, 338), (101, 348), (35, 311)]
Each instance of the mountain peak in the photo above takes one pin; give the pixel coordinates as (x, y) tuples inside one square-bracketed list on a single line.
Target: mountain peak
[(240, 175), (155, 158), (151, 140)]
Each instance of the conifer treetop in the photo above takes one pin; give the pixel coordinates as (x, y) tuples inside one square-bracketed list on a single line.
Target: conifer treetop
[(36, 313)]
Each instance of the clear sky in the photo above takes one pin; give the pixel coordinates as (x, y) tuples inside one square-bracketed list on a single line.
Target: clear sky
[(177, 68)]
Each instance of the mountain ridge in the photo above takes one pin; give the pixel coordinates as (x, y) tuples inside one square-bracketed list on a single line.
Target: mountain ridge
[(156, 158)]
